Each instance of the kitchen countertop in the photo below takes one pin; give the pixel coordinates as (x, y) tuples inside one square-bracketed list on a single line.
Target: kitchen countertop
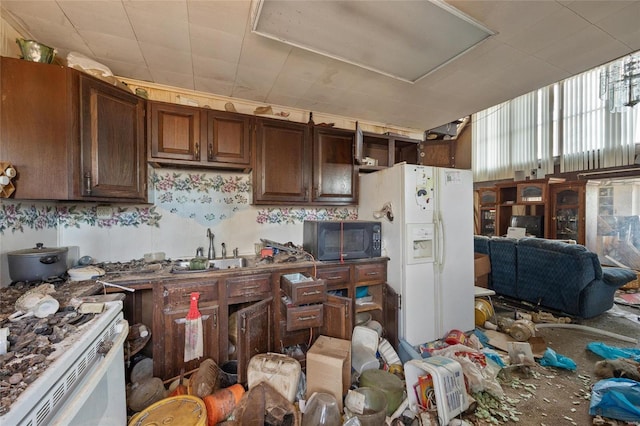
[(145, 278)]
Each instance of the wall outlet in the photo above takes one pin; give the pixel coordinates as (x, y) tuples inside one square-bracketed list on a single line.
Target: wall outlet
[(104, 212)]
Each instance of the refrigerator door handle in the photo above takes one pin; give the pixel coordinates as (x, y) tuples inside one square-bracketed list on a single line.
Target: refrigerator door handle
[(441, 247)]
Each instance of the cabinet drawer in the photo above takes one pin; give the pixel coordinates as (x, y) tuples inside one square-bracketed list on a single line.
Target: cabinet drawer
[(249, 286), (374, 272), (335, 276), (301, 317), (304, 292), (178, 294)]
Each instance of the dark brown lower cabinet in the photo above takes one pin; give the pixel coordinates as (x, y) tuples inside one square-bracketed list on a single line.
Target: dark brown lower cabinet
[(254, 334), (243, 315), (338, 317), (173, 340)]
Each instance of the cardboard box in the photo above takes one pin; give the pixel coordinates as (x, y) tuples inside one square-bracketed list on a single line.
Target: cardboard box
[(482, 268), (329, 367)]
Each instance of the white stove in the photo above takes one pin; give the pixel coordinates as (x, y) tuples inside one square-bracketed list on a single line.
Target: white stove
[(83, 385)]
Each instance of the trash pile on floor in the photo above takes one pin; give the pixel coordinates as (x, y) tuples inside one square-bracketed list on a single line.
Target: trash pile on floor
[(461, 379)]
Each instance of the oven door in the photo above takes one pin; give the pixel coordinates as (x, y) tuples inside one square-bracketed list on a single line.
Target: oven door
[(99, 398)]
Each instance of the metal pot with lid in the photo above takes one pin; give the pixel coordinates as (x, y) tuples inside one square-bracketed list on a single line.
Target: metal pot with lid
[(38, 263)]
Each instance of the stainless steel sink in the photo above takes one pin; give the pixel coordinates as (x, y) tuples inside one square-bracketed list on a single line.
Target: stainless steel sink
[(230, 263)]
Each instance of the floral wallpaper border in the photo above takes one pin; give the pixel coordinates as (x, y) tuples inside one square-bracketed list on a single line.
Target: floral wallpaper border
[(206, 197), (299, 215), (15, 217)]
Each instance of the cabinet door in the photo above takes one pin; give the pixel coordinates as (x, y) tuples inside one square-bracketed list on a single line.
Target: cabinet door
[(390, 313), (282, 169), (36, 127), (254, 334), (172, 347), (334, 176), (175, 133), (437, 153), (112, 140), (568, 212), (338, 317), (228, 138)]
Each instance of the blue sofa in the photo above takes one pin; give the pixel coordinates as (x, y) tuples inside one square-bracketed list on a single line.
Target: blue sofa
[(554, 274)]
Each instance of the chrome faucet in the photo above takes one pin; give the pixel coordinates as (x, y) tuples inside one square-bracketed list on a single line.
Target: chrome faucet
[(212, 250), (224, 251)]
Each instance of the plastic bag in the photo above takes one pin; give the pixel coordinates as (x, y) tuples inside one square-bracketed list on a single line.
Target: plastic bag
[(552, 359), (616, 399), (493, 356), (612, 352)]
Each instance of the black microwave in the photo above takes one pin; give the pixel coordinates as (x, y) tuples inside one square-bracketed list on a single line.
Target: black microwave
[(342, 240)]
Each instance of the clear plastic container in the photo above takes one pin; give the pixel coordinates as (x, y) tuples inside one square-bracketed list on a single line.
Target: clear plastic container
[(321, 409)]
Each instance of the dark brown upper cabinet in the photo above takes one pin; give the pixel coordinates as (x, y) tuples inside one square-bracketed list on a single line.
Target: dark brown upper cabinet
[(375, 151), (299, 164), (334, 174), (282, 169), (186, 136), (70, 136)]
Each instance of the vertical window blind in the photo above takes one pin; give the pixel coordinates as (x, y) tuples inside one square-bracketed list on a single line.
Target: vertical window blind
[(593, 137), (512, 136), (567, 120)]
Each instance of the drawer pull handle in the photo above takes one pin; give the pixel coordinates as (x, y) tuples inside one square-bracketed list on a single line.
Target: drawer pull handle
[(335, 277), (371, 273), (251, 287), (311, 293), (307, 318)]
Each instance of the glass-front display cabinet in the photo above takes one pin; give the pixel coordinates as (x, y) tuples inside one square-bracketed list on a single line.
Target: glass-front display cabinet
[(568, 211), (487, 198), (613, 221)]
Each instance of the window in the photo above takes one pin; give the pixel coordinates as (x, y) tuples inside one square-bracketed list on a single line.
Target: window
[(515, 135), (567, 120)]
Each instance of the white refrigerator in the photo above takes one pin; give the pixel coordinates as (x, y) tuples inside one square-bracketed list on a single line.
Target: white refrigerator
[(427, 233)]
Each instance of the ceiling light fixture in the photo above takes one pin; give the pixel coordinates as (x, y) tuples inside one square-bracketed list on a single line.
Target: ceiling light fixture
[(620, 83), (406, 40)]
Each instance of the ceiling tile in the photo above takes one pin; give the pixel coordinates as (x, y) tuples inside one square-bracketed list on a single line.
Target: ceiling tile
[(290, 86), (107, 46), (214, 69), (230, 17), (216, 44), (546, 32), (536, 72), (174, 79), (128, 70), (254, 82), (624, 25), (211, 85), (160, 58), (163, 23), (263, 53), (507, 18), (597, 10), (113, 17), (305, 65), (568, 55)]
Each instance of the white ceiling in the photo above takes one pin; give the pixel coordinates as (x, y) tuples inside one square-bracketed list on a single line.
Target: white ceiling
[(208, 46)]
